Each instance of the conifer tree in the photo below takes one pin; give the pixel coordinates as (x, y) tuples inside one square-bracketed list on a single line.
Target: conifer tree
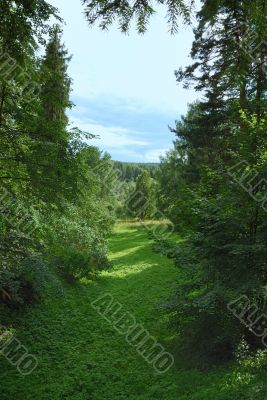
[(223, 257), (125, 12), (141, 203), (50, 162)]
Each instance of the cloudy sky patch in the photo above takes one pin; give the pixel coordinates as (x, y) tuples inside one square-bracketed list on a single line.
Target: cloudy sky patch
[(124, 86)]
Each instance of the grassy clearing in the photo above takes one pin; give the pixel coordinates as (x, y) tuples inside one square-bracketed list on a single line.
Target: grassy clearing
[(81, 357)]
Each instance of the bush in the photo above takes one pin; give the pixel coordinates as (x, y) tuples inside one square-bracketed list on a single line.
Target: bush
[(168, 248), (22, 271), (73, 247), (22, 283)]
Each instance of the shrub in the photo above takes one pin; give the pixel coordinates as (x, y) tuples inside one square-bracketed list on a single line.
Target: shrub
[(73, 247)]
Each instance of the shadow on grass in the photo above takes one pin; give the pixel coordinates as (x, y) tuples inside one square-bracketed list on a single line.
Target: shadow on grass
[(81, 357)]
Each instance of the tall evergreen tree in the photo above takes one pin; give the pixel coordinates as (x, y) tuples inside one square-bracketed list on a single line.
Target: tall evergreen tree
[(223, 257), (141, 203), (49, 165)]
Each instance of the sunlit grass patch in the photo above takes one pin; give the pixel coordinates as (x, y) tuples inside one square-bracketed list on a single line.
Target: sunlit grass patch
[(81, 357)]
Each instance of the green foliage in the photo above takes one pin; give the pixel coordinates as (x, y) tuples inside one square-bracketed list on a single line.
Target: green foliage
[(212, 184), (22, 272), (142, 201), (30, 22), (125, 190), (166, 247), (93, 358), (126, 177), (46, 168), (50, 160), (106, 12), (74, 246), (130, 171)]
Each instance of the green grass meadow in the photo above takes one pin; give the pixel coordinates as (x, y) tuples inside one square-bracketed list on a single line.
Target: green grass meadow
[(81, 357)]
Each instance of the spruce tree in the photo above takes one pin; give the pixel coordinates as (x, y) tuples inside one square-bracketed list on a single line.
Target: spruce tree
[(50, 163), (222, 141), (141, 203), (106, 12)]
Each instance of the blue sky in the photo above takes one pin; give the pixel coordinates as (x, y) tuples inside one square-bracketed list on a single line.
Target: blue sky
[(124, 87)]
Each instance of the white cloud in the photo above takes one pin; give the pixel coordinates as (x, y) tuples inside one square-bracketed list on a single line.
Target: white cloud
[(124, 86), (154, 155), (111, 137)]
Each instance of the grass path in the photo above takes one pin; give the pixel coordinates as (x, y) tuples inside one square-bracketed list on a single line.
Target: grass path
[(80, 355)]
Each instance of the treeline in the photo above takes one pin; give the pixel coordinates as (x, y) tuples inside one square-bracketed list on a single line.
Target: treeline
[(212, 185), (51, 180), (129, 171)]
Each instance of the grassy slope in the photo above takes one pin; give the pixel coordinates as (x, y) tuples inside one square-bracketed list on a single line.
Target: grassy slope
[(81, 357)]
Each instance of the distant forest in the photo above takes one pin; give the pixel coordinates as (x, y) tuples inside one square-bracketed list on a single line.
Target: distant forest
[(130, 171)]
